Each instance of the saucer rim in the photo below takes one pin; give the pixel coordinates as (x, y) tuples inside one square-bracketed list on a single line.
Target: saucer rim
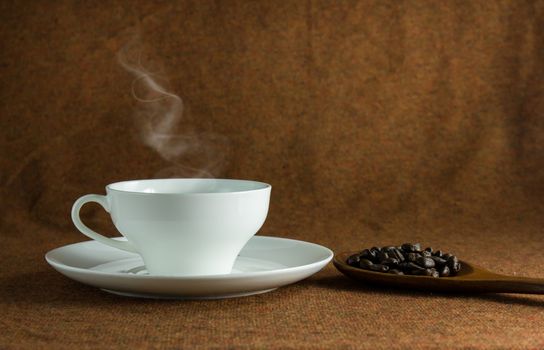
[(323, 261)]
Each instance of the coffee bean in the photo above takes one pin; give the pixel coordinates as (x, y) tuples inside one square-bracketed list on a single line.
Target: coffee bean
[(446, 256), (438, 261), (398, 254), (428, 249), (365, 253), (438, 253), (412, 257), (375, 252), (444, 271), (383, 255), (452, 260), (407, 247), (426, 253), (427, 272), (365, 263), (353, 260), (379, 268), (405, 266), (368, 254), (390, 261), (425, 262), (414, 266), (396, 272), (422, 272), (456, 267)]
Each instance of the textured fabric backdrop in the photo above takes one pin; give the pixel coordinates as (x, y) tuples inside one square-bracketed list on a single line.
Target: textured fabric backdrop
[(376, 122)]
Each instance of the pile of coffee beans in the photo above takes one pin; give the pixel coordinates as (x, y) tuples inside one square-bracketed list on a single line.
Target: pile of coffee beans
[(407, 259)]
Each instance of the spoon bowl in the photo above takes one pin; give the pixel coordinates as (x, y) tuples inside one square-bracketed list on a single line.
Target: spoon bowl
[(471, 279)]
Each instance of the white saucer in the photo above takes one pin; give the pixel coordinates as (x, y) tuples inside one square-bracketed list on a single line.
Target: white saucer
[(264, 264)]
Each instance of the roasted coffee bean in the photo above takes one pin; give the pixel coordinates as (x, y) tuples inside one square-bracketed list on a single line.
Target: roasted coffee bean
[(428, 249), (438, 253), (390, 261), (365, 253), (396, 272), (425, 262), (383, 255), (407, 247), (401, 255), (456, 267), (398, 254), (444, 271), (368, 254), (374, 254), (404, 266), (422, 272), (426, 253), (365, 263), (412, 257), (438, 261), (388, 249), (427, 272), (452, 260), (379, 268), (353, 260), (446, 256), (414, 266)]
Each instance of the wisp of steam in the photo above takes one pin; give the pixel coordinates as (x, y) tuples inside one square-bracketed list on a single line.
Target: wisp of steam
[(160, 118)]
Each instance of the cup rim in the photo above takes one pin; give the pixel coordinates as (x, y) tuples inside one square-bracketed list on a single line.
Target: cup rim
[(262, 187)]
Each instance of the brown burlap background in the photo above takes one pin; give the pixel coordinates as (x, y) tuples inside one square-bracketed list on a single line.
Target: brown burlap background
[(375, 121)]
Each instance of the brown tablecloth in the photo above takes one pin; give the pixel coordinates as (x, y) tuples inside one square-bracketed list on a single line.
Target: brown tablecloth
[(376, 122)]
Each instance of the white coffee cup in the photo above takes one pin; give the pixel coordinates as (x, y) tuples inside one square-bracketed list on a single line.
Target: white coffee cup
[(182, 226)]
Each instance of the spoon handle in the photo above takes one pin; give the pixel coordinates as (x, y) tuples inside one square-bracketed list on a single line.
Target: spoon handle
[(513, 284)]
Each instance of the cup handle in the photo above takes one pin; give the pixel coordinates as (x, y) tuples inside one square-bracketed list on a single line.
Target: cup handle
[(102, 200)]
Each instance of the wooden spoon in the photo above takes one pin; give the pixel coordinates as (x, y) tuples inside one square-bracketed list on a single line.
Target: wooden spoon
[(471, 279)]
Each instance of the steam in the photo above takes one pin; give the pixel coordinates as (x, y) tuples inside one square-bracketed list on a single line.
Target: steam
[(160, 120)]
